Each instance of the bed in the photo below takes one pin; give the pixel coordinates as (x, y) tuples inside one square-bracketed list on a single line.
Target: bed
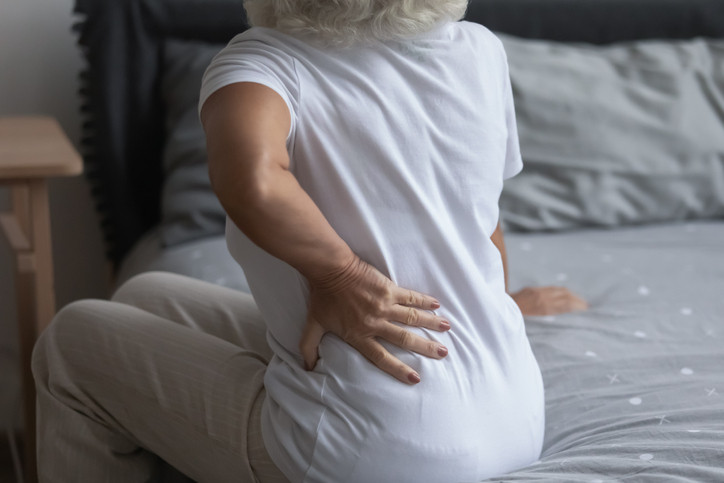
[(620, 107)]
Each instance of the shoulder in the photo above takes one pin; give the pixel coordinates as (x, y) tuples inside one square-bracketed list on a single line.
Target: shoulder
[(480, 36), (263, 39), (256, 46), (258, 55), (260, 49)]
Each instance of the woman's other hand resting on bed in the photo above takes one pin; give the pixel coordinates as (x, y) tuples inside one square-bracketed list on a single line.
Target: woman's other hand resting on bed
[(548, 301), (538, 300), (249, 172)]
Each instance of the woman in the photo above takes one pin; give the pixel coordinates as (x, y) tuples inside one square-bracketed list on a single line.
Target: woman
[(359, 148)]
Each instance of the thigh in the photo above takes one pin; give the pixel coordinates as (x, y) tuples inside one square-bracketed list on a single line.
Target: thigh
[(219, 311), (189, 397)]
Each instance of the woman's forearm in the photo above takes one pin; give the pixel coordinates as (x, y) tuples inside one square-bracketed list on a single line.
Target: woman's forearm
[(246, 126), (280, 217)]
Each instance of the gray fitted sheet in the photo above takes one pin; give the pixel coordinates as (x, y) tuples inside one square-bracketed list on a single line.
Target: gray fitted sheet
[(635, 385)]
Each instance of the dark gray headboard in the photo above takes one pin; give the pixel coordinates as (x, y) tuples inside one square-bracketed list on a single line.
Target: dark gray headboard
[(122, 41)]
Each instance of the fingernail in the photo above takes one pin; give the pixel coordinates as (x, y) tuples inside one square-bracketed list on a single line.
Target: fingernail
[(441, 351), (436, 305), (444, 325), (413, 377)]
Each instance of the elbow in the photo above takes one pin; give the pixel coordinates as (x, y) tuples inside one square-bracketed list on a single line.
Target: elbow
[(242, 188)]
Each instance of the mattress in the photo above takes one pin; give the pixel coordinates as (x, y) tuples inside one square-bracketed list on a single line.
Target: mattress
[(634, 385)]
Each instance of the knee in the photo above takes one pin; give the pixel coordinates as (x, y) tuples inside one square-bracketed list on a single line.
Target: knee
[(143, 286), (70, 326)]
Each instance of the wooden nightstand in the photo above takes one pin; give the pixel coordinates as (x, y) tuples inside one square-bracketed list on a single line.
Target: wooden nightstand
[(32, 149)]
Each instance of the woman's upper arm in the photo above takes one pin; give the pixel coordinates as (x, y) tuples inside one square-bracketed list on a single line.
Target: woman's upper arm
[(246, 125)]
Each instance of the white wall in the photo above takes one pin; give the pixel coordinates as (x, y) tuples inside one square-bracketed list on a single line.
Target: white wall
[(39, 65)]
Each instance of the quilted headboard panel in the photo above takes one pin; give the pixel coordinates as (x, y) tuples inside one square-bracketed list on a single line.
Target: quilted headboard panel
[(123, 129)]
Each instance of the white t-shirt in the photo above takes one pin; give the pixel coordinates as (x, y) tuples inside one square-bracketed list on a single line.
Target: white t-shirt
[(404, 147)]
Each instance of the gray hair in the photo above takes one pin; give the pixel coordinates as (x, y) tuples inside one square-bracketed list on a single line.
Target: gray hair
[(342, 22)]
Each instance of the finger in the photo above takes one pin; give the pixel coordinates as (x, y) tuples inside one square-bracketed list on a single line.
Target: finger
[(380, 357), (577, 303), (404, 296), (309, 343), (569, 303), (557, 291), (418, 318), (412, 342)]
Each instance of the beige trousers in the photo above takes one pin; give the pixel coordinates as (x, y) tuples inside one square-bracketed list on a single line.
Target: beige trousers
[(169, 373)]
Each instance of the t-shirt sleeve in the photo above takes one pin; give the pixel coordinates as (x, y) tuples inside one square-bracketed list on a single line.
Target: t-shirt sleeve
[(249, 57), (513, 159)]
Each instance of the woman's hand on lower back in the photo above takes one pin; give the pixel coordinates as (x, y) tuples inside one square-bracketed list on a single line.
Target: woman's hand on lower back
[(359, 305)]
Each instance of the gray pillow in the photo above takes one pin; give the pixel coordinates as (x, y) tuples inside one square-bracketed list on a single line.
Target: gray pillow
[(189, 208), (614, 135)]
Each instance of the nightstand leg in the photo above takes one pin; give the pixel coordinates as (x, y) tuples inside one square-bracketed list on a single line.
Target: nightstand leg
[(25, 287), (42, 248)]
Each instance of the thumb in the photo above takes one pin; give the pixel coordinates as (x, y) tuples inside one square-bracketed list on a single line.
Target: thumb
[(311, 337)]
